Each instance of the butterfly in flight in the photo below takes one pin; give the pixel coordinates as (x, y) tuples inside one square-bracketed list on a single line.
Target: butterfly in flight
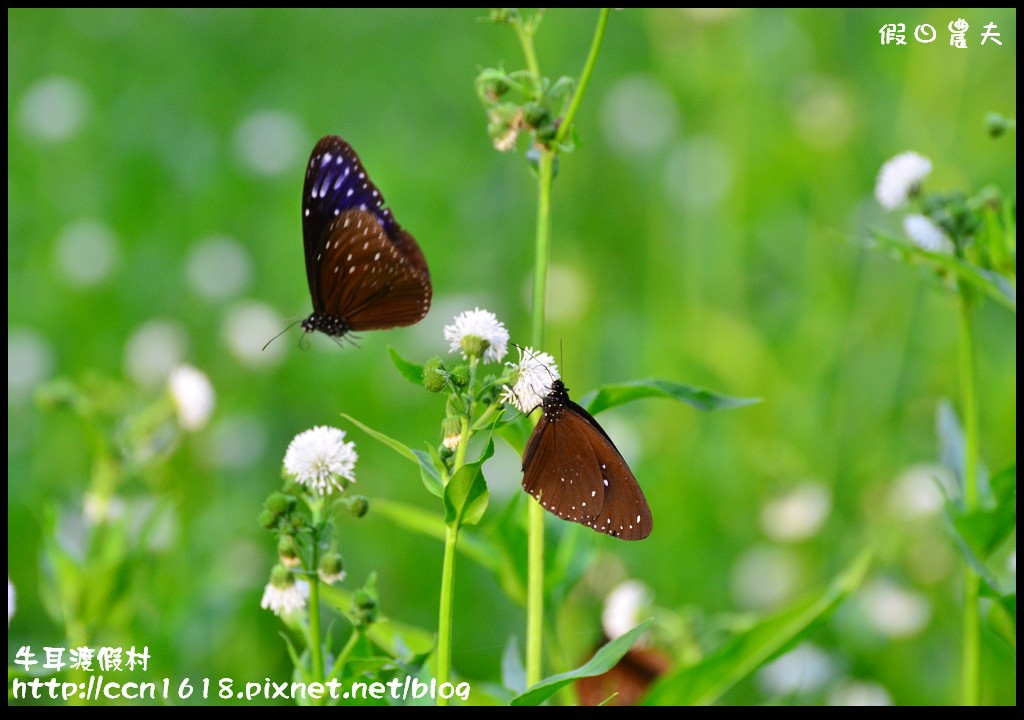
[(574, 470), (364, 271)]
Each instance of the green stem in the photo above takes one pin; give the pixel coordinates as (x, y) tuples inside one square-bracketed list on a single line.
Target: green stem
[(971, 680), (535, 546), (444, 625), (525, 35), (447, 604), (315, 647), (542, 245), (339, 664), (588, 69)]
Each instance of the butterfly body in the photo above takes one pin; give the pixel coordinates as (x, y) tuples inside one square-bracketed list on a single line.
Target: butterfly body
[(574, 470), (364, 271)]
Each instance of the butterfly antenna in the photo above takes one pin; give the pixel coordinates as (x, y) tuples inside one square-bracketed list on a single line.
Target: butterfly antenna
[(290, 326)]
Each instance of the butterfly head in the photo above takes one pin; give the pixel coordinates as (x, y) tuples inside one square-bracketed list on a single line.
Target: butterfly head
[(327, 324)]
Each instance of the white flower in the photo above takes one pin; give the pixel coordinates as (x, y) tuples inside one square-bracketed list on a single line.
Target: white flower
[(452, 441), (536, 372), (926, 234), (193, 396), (859, 693), (319, 457), (797, 515), (480, 324), (10, 601), (289, 598), (899, 177), (894, 611), (624, 608)]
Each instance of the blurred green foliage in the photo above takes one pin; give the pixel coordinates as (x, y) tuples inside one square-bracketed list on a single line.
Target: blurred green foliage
[(708, 230)]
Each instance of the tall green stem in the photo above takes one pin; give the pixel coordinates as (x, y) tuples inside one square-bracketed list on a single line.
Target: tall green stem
[(535, 546), (588, 69), (447, 604), (971, 679), (444, 625), (315, 645)]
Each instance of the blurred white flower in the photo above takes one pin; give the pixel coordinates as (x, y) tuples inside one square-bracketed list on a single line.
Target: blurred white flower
[(54, 109), (798, 515), (859, 693), (899, 178), (30, 360), (193, 396), (289, 597), (320, 457), (10, 600), (482, 325), (624, 608), (153, 350), (535, 373), (917, 492), (270, 142), (87, 252), (218, 267), (926, 234), (764, 577), (804, 669), (893, 611)]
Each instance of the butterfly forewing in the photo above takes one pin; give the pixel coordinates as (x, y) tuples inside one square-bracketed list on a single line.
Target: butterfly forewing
[(364, 271), (574, 470)]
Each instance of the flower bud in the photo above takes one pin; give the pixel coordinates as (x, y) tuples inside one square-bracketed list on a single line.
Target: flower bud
[(288, 551), (330, 570), (279, 503), (460, 375), (358, 505), (435, 379), (451, 432), (364, 607)]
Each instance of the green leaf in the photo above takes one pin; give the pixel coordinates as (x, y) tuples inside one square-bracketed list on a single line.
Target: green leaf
[(604, 660), (608, 396), (431, 478), (981, 531), (466, 495), (991, 283), (707, 680), (430, 524), (1002, 619), (410, 371)]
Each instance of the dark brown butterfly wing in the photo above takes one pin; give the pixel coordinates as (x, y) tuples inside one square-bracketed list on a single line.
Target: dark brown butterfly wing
[(366, 278), (364, 271), (575, 471)]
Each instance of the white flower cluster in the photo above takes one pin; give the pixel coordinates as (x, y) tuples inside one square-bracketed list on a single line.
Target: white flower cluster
[(535, 373), (319, 457), (899, 178), (479, 324)]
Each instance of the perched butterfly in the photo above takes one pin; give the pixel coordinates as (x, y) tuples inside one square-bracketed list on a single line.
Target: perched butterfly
[(364, 271), (574, 470)]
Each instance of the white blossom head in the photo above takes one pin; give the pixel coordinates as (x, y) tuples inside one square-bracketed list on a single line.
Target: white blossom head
[(625, 607), (478, 333), (901, 177), (535, 372), (321, 459), (926, 234), (193, 396), (284, 594)]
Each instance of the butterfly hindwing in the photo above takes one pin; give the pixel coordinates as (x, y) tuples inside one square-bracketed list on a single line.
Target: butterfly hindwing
[(364, 271), (361, 270), (575, 471)]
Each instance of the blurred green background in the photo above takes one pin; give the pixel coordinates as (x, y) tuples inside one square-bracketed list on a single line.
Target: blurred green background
[(708, 230)]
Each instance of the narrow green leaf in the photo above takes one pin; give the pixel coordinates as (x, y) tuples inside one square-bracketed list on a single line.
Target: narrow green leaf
[(466, 495), (400, 640), (706, 681), (992, 284), (431, 479), (429, 524), (604, 660), (608, 396), (411, 371)]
